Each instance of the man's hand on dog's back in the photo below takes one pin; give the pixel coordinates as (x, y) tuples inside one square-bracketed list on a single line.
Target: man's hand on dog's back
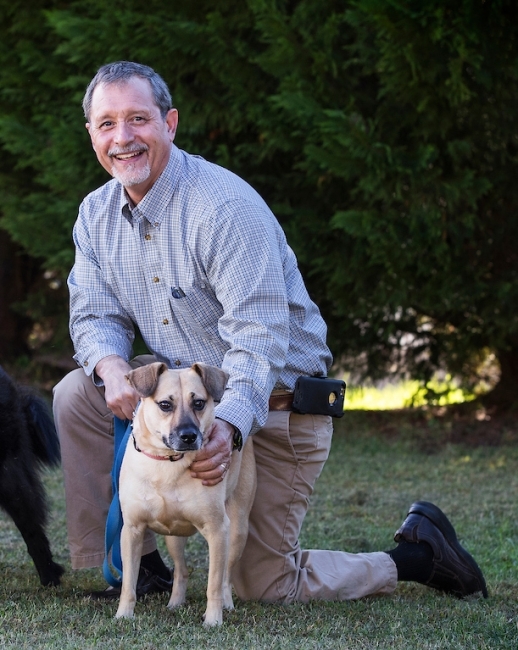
[(120, 397), (213, 459)]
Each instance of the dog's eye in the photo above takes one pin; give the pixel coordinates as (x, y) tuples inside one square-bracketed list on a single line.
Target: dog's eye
[(198, 404), (165, 406)]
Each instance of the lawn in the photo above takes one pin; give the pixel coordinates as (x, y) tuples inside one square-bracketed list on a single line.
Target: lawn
[(379, 464)]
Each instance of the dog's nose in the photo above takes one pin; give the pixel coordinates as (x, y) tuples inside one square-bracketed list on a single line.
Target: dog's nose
[(189, 436), (185, 437)]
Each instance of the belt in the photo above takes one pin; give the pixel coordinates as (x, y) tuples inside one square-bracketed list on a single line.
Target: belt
[(281, 402)]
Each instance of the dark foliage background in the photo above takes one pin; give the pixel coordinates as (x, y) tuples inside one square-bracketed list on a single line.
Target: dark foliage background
[(382, 133)]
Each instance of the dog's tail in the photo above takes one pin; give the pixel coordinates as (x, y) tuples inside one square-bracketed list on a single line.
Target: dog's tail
[(43, 433)]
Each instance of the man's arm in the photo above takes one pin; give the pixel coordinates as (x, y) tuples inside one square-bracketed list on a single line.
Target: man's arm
[(247, 275), (99, 326), (244, 256)]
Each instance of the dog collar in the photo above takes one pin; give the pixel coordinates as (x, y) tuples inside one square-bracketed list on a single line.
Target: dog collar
[(172, 459)]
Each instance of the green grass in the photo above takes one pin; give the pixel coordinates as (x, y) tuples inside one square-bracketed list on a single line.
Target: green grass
[(367, 485)]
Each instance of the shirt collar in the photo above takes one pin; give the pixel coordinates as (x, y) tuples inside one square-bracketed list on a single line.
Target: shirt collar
[(152, 205)]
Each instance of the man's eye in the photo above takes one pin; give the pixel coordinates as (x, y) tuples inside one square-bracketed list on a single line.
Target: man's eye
[(105, 125), (164, 406), (198, 404)]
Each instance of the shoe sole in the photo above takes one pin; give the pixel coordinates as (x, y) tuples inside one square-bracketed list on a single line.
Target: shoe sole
[(102, 596), (439, 519)]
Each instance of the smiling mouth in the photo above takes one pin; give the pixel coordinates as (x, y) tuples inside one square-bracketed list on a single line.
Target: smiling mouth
[(126, 155)]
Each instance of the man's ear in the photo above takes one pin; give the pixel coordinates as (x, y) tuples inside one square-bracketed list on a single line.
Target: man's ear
[(88, 127), (172, 123)]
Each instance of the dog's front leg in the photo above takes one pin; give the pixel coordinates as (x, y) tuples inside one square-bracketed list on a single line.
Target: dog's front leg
[(132, 538), (176, 548), (218, 541)]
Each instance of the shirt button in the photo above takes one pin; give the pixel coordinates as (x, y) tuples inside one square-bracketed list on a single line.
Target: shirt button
[(178, 362), (147, 237), (156, 224), (85, 364), (165, 321), (156, 279)]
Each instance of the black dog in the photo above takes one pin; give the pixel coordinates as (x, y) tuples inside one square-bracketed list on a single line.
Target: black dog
[(28, 440)]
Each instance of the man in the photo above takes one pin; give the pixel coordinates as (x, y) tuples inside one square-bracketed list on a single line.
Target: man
[(192, 255)]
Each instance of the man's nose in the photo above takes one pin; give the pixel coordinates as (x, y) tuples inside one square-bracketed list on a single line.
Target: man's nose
[(123, 133)]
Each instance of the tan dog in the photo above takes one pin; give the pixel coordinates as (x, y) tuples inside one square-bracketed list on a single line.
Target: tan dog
[(176, 413)]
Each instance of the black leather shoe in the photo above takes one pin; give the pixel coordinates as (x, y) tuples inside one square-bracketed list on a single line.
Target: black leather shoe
[(454, 570), (147, 583)]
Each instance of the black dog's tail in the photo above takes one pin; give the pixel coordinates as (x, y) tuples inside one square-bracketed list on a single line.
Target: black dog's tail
[(44, 437)]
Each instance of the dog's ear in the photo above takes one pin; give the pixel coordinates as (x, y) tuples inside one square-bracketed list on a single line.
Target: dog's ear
[(145, 379), (214, 379)]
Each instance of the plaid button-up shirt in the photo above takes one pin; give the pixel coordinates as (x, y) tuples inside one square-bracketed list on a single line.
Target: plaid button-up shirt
[(202, 267)]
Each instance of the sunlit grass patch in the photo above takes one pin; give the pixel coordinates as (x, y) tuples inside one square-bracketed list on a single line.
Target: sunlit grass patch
[(401, 395)]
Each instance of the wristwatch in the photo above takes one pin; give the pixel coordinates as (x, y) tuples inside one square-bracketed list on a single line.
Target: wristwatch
[(237, 440)]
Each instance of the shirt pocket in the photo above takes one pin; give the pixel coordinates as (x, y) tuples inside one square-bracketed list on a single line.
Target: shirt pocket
[(198, 310)]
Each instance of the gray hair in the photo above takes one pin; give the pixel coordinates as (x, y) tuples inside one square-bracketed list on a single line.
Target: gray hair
[(122, 71)]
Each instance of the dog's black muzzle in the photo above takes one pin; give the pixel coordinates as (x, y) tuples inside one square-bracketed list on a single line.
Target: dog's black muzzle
[(186, 437)]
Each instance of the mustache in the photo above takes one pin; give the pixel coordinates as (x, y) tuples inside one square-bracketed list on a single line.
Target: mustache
[(134, 148)]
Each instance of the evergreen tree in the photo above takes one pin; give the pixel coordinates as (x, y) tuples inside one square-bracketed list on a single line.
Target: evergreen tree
[(382, 133)]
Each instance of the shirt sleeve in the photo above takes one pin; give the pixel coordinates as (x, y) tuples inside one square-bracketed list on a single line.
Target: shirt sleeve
[(244, 257), (99, 326)]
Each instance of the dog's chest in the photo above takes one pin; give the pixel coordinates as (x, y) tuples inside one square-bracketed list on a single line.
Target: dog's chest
[(160, 500), (170, 516)]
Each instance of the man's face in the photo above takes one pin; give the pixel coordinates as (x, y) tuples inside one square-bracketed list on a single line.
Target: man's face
[(131, 139)]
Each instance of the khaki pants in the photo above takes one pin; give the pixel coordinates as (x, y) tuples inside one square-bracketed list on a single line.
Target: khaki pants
[(290, 453), (85, 429)]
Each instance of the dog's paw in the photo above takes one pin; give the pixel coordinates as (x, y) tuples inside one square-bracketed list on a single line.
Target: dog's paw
[(178, 593), (124, 613), (212, 623), (174, 603), (228, 603), (212, 617), (51, 576)]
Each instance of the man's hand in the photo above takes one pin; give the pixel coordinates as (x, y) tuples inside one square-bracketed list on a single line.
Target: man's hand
[(213, 459), (120, 397)]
